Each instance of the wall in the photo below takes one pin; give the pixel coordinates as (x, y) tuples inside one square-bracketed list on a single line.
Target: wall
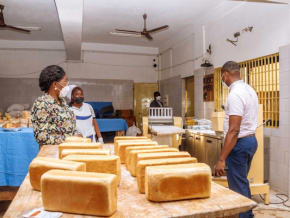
[(277, 139), (95, 65), (104, 75), (26, 90), (270, 31), (173, 88)]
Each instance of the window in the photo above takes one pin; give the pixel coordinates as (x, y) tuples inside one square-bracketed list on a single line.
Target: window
[(263, 75)]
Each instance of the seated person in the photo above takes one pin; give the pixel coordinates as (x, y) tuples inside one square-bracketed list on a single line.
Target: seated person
[(156, 102), (132, 130), (85, 116)]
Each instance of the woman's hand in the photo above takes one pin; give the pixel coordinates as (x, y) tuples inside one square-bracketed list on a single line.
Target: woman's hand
[(80, 135), (101, 140)]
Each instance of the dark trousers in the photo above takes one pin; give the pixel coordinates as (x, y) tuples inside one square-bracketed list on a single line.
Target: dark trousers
[(239, 163)]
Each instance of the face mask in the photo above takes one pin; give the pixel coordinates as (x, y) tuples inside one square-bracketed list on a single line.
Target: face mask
[(79, 100), (224, 82), (158, 98), (64, 91)]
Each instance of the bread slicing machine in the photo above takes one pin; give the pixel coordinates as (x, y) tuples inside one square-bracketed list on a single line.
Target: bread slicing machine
[(163, 127)]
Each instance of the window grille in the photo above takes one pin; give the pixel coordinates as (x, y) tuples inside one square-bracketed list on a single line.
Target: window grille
[(263, 75)]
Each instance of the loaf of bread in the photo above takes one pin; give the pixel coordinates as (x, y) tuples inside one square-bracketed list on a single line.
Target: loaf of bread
[(133, 148), (40, 165), (134, 155), (159, 155), (177, 182), (141, 166), (11, 125), (79, 192), (77, 139), (123, 145), (99, 164), (116, 143), (100, 151), (78, 145)]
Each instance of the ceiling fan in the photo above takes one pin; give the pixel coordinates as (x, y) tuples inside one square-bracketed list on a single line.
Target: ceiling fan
[(146, 33), (4, 25)]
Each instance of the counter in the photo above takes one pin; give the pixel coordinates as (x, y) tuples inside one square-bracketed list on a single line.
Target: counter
[(222, 202), (204, 145)]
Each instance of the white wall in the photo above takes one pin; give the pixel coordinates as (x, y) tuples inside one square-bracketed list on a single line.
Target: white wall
[(28, 63), (270, 31)]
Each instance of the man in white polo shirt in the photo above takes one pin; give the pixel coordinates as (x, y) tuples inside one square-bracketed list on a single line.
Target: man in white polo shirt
[(240, 145)]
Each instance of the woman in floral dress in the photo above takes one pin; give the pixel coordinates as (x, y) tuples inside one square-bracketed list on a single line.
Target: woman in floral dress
[(52, 120)]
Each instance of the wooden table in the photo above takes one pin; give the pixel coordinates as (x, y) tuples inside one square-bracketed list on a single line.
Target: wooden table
[(222, 202)]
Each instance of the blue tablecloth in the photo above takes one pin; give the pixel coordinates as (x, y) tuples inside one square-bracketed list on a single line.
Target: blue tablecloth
[(110, 125), (17, 150)]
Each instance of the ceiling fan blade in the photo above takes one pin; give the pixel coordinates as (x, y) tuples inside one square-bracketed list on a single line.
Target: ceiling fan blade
[(16, 28), (147, 35), (158, 29), (1, 18), (128, 31), (124, 34), (31, 28)]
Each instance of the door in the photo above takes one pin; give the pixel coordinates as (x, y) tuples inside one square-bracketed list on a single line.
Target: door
[(199, 148), (189, 143), (189, 97), (212, 151), (143, 96)]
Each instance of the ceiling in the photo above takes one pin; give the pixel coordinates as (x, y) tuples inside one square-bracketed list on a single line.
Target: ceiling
[(103, 16), (89, 21)]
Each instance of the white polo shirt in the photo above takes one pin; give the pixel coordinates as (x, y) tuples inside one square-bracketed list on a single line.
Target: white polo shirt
[(84, 120), (242, 101)]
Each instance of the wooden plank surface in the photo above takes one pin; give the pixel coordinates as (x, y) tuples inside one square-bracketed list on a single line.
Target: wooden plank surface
[(222, 202)]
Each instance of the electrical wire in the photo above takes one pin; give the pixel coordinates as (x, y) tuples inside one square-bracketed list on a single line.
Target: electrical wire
[(114, 65), (283, 201), (191, 60)]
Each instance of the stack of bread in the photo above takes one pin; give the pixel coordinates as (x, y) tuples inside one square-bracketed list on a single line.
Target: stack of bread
[(83, 180), (163, 173), (9, 122), (86, 177)]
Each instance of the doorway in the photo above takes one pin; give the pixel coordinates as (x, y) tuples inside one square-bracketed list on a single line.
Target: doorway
[(143, 96)]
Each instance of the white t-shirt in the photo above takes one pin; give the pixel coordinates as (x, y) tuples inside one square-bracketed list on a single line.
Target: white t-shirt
[(242, 101), (84, 120), (132, 131)]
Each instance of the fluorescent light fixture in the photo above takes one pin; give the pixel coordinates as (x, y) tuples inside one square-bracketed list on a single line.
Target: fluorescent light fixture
[(32, 28), (124, 34)]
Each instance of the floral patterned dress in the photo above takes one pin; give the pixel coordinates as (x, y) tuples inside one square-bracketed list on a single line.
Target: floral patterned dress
[(52, 122)]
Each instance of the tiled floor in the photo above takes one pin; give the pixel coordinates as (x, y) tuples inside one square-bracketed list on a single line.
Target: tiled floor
[(271, 210)]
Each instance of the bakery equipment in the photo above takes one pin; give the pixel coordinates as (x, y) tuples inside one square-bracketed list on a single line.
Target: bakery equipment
[(163, 126)]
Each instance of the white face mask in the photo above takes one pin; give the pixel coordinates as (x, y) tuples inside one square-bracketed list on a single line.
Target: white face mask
[(64, 91), (224, 82), (158, 98)]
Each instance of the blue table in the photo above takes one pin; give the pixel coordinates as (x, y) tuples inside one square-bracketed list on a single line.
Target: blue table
[(17, 150), (110, 125)]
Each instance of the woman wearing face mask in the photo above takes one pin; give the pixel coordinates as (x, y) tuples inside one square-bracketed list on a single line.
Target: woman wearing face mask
[(85, 116), (52, 120)]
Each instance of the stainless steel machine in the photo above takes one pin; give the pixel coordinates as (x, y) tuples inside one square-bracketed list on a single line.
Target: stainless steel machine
[(163, 127)]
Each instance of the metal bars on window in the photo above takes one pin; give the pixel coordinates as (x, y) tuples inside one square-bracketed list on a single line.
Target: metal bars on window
[(263, 75)]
